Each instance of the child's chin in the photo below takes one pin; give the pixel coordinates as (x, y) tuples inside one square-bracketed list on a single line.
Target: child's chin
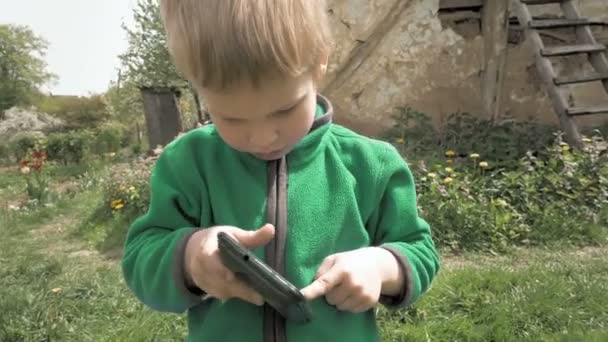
[(271, 156)]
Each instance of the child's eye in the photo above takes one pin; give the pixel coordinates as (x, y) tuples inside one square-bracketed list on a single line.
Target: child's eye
[(233, 120), (285, 111)]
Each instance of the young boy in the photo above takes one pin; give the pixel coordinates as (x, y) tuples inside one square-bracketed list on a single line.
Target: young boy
[(337, 210)]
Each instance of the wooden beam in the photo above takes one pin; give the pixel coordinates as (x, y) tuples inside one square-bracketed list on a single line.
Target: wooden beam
[(495, 28), (541, 2), (458, 4), (557, 23), (578, 111), (565, 50), (591, 77), (459, 16)]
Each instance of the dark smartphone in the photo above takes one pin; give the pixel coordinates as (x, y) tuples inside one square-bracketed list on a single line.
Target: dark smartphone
[(277, 291)]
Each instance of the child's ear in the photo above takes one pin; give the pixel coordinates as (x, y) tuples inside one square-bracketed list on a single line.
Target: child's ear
[(321, 68), (324, 61)]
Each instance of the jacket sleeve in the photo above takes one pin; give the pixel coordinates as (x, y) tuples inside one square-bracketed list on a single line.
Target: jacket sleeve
[(398, 228), (155, 244)]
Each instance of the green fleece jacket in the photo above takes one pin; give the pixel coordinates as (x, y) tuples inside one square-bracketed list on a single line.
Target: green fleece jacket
[(336, 191)]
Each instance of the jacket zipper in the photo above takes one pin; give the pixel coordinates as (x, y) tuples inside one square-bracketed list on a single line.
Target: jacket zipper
[(276, 213)]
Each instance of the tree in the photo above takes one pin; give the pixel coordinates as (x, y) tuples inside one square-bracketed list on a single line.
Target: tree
[(147, 62), (77, 112), (22, 66)]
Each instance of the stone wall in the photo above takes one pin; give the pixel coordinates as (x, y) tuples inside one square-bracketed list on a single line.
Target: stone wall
[(392, 53)]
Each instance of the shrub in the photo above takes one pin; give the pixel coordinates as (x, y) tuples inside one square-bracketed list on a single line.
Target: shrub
[(70, 147), (126, 191), (415, 136), (22, 143), (5, 153), (109, 137), (561, 195)]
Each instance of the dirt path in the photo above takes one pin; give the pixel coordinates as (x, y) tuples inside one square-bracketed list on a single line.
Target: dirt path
[(57, 241)]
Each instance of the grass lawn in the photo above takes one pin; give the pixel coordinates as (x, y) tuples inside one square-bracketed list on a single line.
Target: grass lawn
[(54, 286)]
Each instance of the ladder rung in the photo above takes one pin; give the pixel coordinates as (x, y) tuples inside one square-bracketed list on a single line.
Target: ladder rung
[(541, 2), (459, 4), (571, 49), (582, 79), (601, 109), (554, 23)]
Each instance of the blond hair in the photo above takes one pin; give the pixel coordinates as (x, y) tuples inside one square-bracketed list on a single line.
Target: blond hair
[(215, 43)]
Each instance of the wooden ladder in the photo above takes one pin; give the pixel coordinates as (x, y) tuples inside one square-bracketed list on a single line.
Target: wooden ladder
[(556, 86)]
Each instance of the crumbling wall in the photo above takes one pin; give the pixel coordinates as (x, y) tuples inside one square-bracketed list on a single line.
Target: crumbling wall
[(392, 53)]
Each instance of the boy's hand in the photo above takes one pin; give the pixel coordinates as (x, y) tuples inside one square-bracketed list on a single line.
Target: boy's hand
[(353, 281), (205, 269)]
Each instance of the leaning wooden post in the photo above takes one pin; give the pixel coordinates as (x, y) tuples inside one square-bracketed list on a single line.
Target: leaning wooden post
[(495, 28)]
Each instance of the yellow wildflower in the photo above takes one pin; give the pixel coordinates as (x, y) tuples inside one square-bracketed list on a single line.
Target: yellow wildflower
[(484, 165), (448, 180), (450, 153), (122, 187), (432, 175), (131, 188), (56, 290), (117, 204), (474, 156), (565, 148), (449, 170), (449, 161)]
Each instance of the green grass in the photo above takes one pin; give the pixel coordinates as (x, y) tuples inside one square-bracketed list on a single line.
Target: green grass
[(93, 303), (552, 296)]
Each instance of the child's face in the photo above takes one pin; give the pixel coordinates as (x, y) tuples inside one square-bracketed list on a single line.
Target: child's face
[(267, 121)]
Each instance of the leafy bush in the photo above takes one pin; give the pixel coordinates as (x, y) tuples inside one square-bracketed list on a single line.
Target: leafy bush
[(109, 137), (126, 191), (122, 195), (22, 143), (77, 112), (70, 147), (462, 217), (561, 195), (503, 142), (5, 153)]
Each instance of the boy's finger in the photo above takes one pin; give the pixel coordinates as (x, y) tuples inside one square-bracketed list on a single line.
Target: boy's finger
[(256, 238), (337, 295), (326, 265), (323, 284)]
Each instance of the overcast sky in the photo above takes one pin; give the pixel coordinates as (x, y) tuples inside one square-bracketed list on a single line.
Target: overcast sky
[(85, 37)]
